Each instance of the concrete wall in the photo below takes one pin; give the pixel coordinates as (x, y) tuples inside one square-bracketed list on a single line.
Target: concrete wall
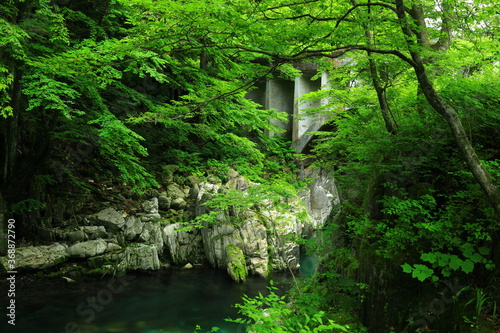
[(279, 96), (303, 85), (282, 95)]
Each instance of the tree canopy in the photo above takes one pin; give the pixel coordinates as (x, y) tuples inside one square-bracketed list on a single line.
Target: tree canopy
[(117, 91)]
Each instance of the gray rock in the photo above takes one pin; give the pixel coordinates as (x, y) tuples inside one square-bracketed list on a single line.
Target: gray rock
[(164, 202), (76, 236), (321, 198), (178, 204), (174, 191), (94, 232), (113, 247), (182, 246), (150, 206), (69, 235), (109, 218), (141, 257), (38, 257), (255, 247), (149, 217), (87, 249), (133, 227), (205, 192), (152, 234), (216, 239)]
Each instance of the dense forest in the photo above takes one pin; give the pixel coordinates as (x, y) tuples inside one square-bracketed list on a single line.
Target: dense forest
[(101, 99)]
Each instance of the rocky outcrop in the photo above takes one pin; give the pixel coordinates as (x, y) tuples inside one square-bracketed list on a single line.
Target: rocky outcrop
[(150, 208), (321, 197), (140, 257), (183, 246), (110, 219), (264, 233), (133, 228), (88, 249), (254, 238), (152, 234), (38, 257)]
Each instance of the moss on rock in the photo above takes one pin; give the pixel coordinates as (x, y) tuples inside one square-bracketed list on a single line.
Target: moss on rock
[(236, 266)]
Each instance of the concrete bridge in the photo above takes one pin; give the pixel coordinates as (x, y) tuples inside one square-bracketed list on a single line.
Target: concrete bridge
[(282, 95)]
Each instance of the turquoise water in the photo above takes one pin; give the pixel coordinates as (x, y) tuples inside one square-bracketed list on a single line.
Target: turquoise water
[(166, 301)]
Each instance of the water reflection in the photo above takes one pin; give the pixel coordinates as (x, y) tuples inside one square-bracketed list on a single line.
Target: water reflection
[(158, 302)]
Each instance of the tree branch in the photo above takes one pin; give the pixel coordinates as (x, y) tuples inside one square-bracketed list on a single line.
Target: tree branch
[(291, 4), (381, 4)]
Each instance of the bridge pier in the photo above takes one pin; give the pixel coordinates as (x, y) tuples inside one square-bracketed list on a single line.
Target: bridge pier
[(282, 95), (280, 98)]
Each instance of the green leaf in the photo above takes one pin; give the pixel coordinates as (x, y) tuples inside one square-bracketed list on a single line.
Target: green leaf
[(467, 249), (430, 257), (476, 257), (455, 262), (484, 250), (407, 268), (446, 272), (467, 266), (422, 272)]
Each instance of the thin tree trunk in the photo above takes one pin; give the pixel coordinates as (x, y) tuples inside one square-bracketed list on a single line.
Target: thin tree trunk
[(390, 123), (469, 155)]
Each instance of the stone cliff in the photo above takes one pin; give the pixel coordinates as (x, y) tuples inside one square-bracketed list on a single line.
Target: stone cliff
[(262, 240)]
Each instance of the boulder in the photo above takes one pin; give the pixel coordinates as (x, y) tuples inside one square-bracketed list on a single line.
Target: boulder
[(133, 228), (178, 196), (38, 257), (109, 218), (164, 202), (87, 249), (76, 236), (255, 246), (216, 238), (113, 247), (204, 192), (141, 257), (152, 234), (94, 232), (150, 206)]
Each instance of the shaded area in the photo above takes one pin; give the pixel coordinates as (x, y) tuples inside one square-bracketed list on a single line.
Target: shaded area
[(165, 301)]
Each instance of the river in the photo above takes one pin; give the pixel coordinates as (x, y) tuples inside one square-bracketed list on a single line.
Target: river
[(174, 300)]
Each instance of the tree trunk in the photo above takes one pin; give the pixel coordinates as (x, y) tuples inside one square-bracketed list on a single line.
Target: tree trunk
[(390, 123), (480, 173)]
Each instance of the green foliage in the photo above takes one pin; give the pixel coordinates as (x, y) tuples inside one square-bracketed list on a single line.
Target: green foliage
[(271, 313), (26, 206), (480, 311), (450, 262), (232, 206)]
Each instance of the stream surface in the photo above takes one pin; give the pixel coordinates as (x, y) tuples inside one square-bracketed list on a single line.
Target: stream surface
[(171, 301)]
